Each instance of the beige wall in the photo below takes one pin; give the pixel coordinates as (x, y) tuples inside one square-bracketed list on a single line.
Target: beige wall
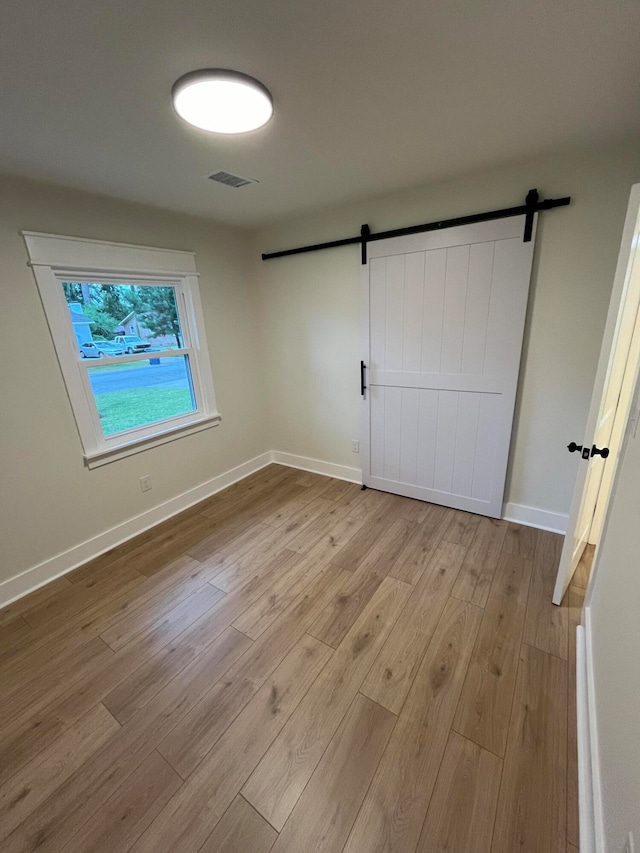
[(309, 307), (49, 500)]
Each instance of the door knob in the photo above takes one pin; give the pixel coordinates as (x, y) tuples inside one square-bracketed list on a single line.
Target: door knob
[(585, 453)]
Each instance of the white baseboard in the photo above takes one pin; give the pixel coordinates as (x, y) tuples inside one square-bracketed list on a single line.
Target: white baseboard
[(590, 791), (30, 580), (531, 516), (44, 572), (317, 466)]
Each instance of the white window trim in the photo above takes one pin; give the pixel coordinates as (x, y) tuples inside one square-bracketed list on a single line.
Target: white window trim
[(57, 258)]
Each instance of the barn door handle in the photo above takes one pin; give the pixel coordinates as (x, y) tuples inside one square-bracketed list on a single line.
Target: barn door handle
[(604, 452), (363, 387)]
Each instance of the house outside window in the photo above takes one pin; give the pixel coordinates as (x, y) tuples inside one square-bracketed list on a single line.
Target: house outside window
[(80, 322), (127, 326)]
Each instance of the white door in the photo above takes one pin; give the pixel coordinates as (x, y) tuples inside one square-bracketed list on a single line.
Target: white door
[(610, 402), (608, 672), (443, 321)]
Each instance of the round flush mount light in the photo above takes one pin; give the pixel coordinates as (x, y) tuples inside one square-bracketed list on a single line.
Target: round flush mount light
[(222, 101)]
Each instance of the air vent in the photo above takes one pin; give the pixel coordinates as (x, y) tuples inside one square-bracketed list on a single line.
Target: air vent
[(231, 180)]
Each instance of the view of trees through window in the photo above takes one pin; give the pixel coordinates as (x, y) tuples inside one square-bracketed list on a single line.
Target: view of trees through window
[(108, 306)]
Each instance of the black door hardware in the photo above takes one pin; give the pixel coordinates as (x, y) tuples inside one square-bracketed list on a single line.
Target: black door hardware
[(587, 453), (584, 451), (532, 205), (363, 387)]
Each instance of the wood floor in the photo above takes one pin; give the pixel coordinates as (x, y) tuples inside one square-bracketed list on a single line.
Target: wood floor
[(296, 665)]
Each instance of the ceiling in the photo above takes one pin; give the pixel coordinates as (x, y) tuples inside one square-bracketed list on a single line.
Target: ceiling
[(369, 96)]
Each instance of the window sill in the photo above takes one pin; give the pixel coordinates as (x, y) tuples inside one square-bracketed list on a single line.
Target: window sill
[(120, 451)]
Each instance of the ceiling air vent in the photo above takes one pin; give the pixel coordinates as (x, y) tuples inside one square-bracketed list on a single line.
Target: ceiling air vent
[(231, 180)]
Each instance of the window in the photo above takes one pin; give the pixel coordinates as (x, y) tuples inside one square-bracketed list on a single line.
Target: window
[(127, 326)]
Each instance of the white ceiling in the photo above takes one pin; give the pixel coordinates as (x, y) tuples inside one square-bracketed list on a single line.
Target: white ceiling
[(369, 96)]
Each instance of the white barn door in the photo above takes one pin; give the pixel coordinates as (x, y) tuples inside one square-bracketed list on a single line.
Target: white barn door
[(443, 321)]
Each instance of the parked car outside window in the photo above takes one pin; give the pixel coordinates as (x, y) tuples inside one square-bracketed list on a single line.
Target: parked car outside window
[(96, 349), (131, 343), (90, 350), (109, 348)]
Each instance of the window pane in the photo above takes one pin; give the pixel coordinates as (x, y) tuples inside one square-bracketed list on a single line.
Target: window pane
[(131, 394), (130, 318)]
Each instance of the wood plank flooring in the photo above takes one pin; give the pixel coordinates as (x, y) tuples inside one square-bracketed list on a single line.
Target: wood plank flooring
[(296, 666)]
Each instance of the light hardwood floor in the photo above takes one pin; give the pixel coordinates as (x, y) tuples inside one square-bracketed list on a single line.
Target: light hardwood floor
[(296, 665)]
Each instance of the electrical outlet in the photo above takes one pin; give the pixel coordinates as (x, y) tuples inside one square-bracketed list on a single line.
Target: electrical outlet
[(145, 483), (629, 847), (355, 446)]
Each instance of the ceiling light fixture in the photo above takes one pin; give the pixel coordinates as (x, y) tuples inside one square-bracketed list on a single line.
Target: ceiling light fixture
[(222, 101)]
